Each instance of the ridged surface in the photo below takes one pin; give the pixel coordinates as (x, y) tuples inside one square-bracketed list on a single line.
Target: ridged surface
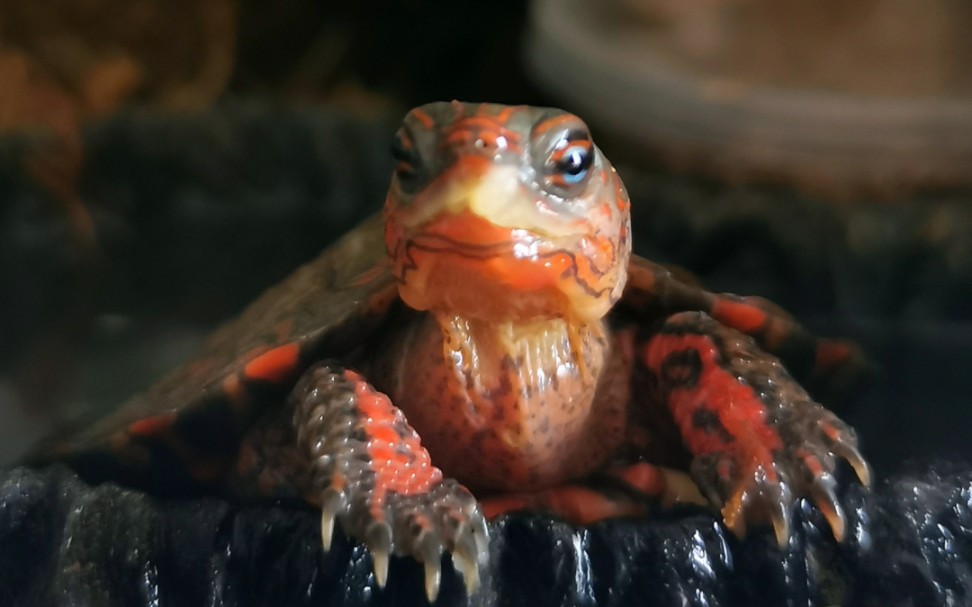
[(62, 541)]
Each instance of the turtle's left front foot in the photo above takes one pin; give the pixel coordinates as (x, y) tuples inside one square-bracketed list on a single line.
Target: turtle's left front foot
[(759, 483), (372, 475), (759, 441)]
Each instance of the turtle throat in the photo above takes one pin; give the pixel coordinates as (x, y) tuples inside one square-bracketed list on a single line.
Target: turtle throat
[(498, 404)]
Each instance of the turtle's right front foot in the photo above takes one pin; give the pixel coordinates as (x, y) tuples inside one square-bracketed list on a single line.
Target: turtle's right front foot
[(372, 475)]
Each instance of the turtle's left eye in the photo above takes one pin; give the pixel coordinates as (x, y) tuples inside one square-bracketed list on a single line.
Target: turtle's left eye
[(570, 162), (406, 160)]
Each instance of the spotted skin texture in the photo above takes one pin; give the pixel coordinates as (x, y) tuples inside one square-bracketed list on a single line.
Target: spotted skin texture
[(492, 336), (757, 438), (511, 415), (370, 472), (831, 366)]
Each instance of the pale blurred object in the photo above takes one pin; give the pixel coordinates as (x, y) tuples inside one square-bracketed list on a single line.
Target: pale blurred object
[(836, 96)]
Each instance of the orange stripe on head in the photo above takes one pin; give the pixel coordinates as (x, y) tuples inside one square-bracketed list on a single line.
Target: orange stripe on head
[(277, 365), (552, 123), (487, 122), (504, 115), (424, 118)]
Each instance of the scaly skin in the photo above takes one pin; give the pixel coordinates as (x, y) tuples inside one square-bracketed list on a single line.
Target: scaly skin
[(508, 236)]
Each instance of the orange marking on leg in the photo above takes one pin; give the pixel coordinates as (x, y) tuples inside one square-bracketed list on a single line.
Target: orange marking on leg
[(646, 478), (738, 315), (573, 503), (400, 462), (152, 426), (813, 465), (584, 506), (717, 391), (830, 431), (337, 482), (277, 365), (384, 433), (668, 487)]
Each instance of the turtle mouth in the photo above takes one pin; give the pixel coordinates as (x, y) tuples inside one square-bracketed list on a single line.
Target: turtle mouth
[(480, 243), (463, 263), (469, 235)]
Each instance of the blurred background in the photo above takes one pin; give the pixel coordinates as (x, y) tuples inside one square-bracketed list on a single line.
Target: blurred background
[(161, 163)]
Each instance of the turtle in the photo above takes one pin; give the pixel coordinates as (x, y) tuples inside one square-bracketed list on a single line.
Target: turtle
[(490, 344)]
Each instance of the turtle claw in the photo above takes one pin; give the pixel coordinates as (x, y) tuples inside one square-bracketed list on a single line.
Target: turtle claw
[(379, 541), (780, 518), (825, 498), (763, 499), (848, 452), (401, 504), (480, 534), (433, 578), (332, 503), (430, 553), (327, 529), (380, 560), (465, 559), (470, 572), (422, 526)]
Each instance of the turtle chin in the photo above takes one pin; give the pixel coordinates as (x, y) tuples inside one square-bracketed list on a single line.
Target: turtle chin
[(501, 274), (470, 289)]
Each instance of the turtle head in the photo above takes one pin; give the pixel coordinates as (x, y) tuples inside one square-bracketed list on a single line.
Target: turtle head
[(505, 212)]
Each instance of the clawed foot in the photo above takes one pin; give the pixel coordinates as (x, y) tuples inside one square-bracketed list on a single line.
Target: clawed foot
[(370, 473), (758, 486), (422, 526)]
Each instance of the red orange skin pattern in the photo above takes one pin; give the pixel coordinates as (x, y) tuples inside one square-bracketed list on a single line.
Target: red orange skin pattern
[(400, 462), (475, 418), (718, 392)]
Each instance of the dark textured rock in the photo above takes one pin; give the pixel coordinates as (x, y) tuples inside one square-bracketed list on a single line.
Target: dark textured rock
[(64, 542)]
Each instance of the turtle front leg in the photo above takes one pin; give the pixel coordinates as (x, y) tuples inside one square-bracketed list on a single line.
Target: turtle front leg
[(758, 440), (370, 473)]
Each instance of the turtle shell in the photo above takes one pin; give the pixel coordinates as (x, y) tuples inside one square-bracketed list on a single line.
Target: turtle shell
[(183, 432)]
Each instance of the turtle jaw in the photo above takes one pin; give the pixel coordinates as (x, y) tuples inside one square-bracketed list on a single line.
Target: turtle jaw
[(483, 246)]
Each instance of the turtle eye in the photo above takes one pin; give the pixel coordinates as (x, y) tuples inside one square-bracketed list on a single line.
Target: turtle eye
[(406, 160), (570, 162)]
